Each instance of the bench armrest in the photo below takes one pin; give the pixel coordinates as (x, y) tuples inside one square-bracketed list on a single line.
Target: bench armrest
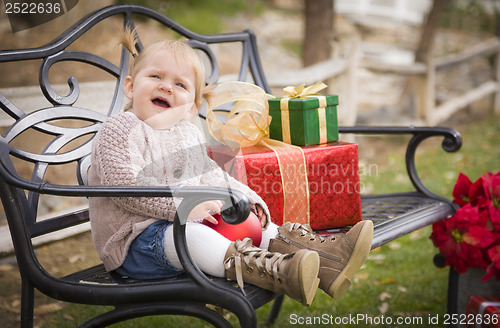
[(452, 141), (191, 195)]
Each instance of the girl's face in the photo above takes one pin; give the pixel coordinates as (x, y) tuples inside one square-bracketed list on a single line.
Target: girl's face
[(162, 92)]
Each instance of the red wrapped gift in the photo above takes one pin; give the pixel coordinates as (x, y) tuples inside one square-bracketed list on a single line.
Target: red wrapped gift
[(483, 311), (332, 175)]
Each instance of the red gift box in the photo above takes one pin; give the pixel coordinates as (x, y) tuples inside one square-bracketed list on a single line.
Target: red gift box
[(332, 174), (483, 311)]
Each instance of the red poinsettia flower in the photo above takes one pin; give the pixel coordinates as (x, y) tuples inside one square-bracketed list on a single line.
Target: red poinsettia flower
[(494, 215), (468, 215), (461, 190), (471, 237), (439, 234), (457, 242), (478, 192), (479, 237), (461, 255), (491, 271), (492, 187), (494, 268), (494, 254)]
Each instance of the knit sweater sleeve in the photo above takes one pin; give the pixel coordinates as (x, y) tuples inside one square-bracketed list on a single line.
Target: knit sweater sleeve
[(117, 155)]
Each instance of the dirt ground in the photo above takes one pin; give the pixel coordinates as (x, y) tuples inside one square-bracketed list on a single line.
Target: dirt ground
[(60, 258)]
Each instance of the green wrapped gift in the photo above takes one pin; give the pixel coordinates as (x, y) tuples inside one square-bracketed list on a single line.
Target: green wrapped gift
[(304, 121)]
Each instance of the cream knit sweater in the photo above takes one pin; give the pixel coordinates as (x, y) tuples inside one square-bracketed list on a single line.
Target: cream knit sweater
[(128, 152)]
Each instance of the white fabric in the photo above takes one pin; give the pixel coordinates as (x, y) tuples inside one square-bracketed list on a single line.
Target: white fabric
[(207, 247), (268, 234)]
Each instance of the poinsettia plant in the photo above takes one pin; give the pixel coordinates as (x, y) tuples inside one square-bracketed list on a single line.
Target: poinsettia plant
[(471, 237)]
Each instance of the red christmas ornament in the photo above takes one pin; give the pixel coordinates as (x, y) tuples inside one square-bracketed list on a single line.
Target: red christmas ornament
[(250, 228)]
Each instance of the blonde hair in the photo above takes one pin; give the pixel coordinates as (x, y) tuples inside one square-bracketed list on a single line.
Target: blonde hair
[(181, 52)]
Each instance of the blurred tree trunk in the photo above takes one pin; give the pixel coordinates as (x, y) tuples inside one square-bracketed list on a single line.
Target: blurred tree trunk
[(318, 36), (424, 48), (416, 95), (496, 9)]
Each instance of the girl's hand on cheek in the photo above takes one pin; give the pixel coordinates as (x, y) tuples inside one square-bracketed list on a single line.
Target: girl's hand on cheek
[(206, 210)]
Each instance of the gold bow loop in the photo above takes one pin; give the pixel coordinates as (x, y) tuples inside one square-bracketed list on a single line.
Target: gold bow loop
[(247, 122), (303, 91)]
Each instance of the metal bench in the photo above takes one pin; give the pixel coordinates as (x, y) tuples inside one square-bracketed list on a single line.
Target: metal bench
[(394, 215)]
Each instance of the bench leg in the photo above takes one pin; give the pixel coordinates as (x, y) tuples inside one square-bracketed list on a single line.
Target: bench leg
[(452, 304), (27, 304), (453, 280), (275, 310)]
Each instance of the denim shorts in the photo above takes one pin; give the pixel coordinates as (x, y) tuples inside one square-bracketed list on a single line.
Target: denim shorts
[(146, 257)]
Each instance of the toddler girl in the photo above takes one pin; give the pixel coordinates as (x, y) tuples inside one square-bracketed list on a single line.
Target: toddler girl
[(153, 143)]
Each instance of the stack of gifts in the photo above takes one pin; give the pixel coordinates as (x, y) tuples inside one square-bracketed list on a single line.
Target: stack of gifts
[(302, 172), (483, 311)]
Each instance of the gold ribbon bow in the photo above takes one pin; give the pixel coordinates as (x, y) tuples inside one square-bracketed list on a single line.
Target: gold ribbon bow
[(247, 124), (303, 91)]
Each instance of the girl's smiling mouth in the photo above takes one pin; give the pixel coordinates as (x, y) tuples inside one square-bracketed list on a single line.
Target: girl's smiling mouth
[(161, 102)]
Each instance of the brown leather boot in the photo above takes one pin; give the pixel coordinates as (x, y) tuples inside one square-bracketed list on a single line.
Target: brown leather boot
[(341, 255), (294, 274)]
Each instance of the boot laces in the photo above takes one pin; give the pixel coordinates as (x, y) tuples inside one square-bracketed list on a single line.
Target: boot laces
[(306, 231), (266, 262)]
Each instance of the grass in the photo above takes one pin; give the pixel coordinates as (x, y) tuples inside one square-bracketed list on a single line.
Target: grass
[(201, 16), (399, 280), (438, 169)]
